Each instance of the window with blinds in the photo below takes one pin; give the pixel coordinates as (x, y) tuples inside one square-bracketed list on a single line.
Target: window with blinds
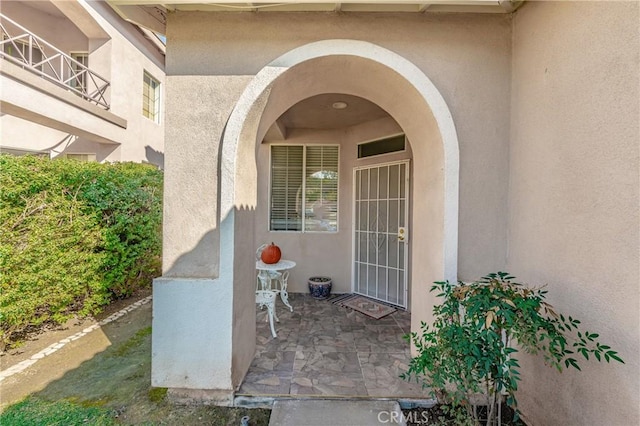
[(304, 188)]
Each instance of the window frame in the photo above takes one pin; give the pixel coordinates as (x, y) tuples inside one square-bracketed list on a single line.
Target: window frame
[(24, 52), (303, 189), (91, 156), (155, 116), (392, 136), (82, 57)]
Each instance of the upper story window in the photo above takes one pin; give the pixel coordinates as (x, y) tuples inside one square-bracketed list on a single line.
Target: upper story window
[(304, 188), (151, 97), (20, 50)]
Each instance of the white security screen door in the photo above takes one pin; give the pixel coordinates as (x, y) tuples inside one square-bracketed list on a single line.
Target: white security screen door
[(380, 218)]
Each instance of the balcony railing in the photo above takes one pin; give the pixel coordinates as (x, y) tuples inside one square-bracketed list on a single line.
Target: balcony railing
[(21, 47)]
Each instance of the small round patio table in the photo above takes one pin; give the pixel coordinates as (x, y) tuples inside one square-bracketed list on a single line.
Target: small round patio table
[(266, 291)]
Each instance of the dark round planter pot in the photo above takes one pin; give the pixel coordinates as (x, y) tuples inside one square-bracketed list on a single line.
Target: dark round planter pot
[(320, 287)]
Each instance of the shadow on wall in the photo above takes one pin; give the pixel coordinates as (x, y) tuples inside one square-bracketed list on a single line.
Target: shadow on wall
[(59, 147), (72, 144), (154, 157), (203, 260), (199, 262)]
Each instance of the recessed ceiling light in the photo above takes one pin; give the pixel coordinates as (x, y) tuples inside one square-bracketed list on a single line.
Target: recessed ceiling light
[(339, 105)]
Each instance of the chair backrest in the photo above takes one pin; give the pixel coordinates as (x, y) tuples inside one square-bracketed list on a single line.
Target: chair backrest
[(259, 251), (265, 296)]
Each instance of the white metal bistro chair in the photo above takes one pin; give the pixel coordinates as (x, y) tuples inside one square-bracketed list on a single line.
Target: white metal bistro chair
[(268, 298)]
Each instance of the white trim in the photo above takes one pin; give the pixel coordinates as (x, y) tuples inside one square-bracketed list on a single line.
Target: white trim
[(392, 135), (386, 163)]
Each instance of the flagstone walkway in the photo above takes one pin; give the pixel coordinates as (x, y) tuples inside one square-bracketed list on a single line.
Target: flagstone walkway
[(326, 350)]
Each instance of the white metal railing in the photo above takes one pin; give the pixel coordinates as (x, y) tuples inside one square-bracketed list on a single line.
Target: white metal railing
[(29, 51)]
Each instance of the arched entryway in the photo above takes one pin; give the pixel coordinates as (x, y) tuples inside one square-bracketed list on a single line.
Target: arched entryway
[(396, 85)]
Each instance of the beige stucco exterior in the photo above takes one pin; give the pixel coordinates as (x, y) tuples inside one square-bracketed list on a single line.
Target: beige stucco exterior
[(486, 37), (573, 197), (523, 132), (266, 74), (217, 44), (39, 116)]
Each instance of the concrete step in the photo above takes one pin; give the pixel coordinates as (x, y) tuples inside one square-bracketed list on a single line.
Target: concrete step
[(325, 412)]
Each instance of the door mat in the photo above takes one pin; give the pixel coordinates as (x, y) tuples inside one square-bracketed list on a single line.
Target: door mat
[(369, 307)]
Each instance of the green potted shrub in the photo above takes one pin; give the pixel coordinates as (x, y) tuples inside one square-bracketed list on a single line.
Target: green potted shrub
[(468, 354)]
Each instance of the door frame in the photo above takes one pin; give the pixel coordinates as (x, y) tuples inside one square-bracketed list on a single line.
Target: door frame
[(407, 219)]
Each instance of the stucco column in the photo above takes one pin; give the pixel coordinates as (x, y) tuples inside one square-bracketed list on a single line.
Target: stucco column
[(194, 313)]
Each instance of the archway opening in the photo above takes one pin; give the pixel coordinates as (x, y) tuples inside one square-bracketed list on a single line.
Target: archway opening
[(396, 86)]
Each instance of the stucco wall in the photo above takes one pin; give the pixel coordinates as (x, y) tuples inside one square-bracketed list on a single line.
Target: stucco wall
[(466, 56), (574, 185), (190, 248)]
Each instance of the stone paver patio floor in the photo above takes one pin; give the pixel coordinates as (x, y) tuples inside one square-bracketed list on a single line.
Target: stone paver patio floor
[(326, 350)]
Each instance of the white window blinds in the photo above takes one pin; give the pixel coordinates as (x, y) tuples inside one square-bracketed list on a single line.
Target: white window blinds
[(321, 191), (304, 188), (286, 184)]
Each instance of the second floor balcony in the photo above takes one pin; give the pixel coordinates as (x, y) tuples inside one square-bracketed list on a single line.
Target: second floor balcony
[(21, 47)]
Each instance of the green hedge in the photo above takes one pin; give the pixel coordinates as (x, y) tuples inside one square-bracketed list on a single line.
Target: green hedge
[(73, 236)]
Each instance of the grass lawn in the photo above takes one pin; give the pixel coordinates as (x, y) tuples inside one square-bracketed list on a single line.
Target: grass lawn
[(114, 388)]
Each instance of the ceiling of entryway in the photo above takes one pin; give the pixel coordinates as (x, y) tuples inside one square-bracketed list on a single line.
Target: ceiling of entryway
[(319, 112)]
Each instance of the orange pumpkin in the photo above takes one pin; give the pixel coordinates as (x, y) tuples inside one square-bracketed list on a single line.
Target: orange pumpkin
[(271, 254)]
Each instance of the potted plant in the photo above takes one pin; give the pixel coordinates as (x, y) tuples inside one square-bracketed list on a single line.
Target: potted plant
[(320, 287), (467, 354)]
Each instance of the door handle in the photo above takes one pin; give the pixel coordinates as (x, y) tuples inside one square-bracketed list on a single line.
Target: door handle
[(402, 233)]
